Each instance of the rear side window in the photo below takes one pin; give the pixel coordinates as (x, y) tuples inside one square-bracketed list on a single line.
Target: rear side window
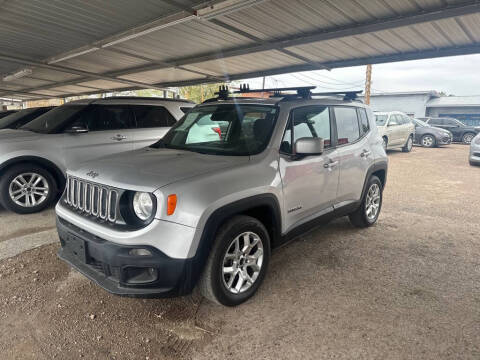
[(106, 117), (364, 125), (436, 121), (348, 129), (152, 116)]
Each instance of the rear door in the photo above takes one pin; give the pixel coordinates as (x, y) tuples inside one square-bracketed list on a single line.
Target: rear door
[(110, 131), (152, 123), (393, 130), (310, 182), (354, 153)]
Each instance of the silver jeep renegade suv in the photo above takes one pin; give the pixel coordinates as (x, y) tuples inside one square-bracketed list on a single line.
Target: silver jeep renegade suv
[(34, 157), (194, 209)]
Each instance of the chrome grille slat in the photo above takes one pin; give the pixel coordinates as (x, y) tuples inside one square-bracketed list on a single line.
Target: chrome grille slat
[(91, 199)]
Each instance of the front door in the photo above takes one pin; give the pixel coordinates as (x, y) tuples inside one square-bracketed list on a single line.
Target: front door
[(109, 132), (152, 123), (309, 183)]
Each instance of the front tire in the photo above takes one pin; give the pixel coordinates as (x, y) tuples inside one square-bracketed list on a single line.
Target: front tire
[(428, 141), (467, 138), (27, 189), (369, 210), (237, 263), (408, 145)]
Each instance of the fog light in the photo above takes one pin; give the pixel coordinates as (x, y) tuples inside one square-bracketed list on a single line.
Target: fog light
[(137, 276), (140, 252)]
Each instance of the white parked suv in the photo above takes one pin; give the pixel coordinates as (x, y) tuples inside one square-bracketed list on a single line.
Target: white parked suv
[(34, 158), (396, 129), (190, 210)]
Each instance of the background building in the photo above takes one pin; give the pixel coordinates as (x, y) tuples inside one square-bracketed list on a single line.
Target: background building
[(429, 103)]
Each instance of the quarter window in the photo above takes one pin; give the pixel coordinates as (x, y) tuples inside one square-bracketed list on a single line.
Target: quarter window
[(364, 125), (311, 122), (153, 116), (348, 129)]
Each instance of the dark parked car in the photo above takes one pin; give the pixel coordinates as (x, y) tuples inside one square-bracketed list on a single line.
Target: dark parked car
[(460, 131), (430, 136), (22, 117), (6, 113)]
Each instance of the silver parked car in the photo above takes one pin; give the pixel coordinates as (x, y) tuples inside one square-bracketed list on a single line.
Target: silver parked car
[(475, 151), (33, 158), (396, 130), (158, 221)]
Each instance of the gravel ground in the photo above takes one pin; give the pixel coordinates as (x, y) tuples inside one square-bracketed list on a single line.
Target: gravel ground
[(406, 288)]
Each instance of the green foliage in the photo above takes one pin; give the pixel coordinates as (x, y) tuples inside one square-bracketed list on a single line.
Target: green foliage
[(199, 93)]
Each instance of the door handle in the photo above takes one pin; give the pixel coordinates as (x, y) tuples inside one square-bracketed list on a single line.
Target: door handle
[(330, 164), (119, 137), (365, 153)]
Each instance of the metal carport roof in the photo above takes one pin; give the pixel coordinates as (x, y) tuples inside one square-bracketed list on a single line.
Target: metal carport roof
[(60, 48)]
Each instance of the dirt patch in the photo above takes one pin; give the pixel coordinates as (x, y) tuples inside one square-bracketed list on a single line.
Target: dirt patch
[(407, 288)]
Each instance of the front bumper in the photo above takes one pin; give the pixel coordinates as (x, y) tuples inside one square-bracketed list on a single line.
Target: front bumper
[(475, 157), (112, 266)]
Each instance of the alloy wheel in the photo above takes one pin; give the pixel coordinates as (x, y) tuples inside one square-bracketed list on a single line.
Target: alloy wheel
[(428, 141), (28, 190), (467, 139), (409, 143), (372, 202), (242, 262)]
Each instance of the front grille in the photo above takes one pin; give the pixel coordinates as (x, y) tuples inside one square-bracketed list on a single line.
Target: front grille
[(91, 199)]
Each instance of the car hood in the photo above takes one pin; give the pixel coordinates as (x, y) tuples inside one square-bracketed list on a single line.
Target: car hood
[(435, 130), (10, 135), (149, 169)]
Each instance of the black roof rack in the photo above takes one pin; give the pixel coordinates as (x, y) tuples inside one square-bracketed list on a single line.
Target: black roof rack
[(143, 98), (304, 92), (347, 95)]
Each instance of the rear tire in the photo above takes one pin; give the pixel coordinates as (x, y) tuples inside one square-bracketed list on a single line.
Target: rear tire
[(372, 201), (467, 138), (408, 145), (27, 189), (232, 274)]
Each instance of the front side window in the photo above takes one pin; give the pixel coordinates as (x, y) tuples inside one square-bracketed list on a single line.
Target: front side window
[(106, 117), (310, 122), (227, 129), (54, 120), (436, 121), (152, 116), (348, 129)]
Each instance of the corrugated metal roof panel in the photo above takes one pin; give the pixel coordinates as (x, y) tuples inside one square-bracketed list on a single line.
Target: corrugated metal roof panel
[(353, 32), (162, 75), (246, 63)]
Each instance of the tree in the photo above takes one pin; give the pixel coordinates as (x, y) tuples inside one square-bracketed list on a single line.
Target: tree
[(199, 93)]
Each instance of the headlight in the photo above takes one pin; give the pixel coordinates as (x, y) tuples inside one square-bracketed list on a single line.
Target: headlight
[(143, 205)]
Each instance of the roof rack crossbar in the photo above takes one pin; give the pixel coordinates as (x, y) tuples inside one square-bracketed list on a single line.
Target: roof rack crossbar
[(347, 95)]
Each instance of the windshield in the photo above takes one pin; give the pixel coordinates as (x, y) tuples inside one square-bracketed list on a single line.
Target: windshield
[(420, 123), (53, 120), (237, 130), (381, 119), (11, 119)]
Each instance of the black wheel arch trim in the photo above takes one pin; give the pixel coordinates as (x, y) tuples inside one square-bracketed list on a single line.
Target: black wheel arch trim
[(216, 219), (378, 166), (58, 174)]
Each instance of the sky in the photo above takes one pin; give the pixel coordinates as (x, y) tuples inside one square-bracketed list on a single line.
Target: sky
[(456, 75)]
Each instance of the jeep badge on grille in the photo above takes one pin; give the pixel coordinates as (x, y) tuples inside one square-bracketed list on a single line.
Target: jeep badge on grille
[(92, 174)]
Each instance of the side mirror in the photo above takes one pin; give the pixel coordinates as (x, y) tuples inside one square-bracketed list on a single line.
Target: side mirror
[(309, 146), (76, 129)]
